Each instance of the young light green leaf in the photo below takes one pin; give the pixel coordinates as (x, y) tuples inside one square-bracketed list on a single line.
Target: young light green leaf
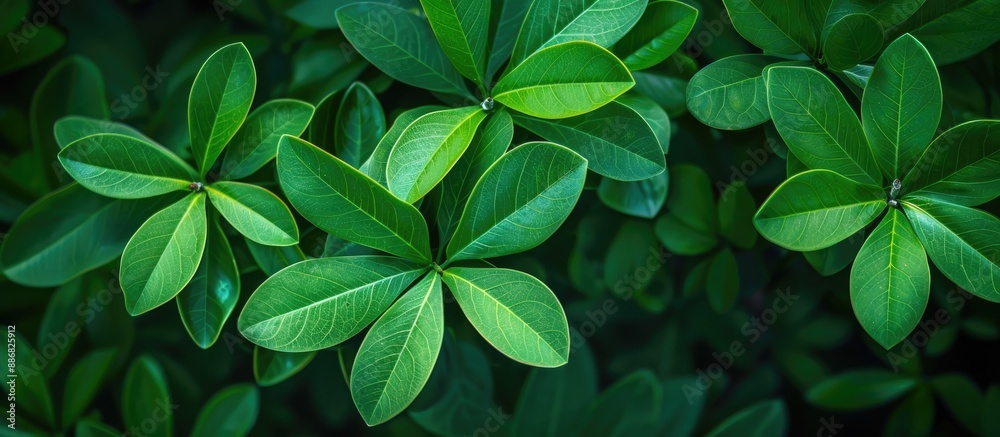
[(461, 27), (146, 393), (776, 26), (816, 209), (397, 356), (84, 381), (255, 212), (124, 167), (376, 164), (163, 255), (859, 390), (961, 166), (564, 80), (510, 18), (428, 149), (230, 412), (344, 202), (731, 93), (817, 124), (487, 147), (961, 241), (220, 100), (514, 312), (760, 419), (642, 198), (272, 367), (400, 43), (207, 301), (320, 303), (901, 105), (890, 281), (548, 23), (851, 40), (72, 128), (360, 125), (661, 31), (616, 141), (723, 284), (256, 143), (519, 202)]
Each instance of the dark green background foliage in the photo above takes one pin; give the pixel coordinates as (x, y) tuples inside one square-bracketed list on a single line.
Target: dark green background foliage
[(357, 240)]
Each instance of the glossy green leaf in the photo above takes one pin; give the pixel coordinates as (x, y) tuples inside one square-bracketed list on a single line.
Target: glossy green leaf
[(400, 43), (486, 148), (124, 167), (375, 165), (461, 27), (954, 31), (731, 93), (736, 208), (207, 301), (964, 243), (148, 397), (320, 303), (667, 91), (553, 400), (514, 312), (344, 202), (859, 390), (164, 254), (428, 149), (890, 14), (962, 398), (84, 381), (616, 141), (519, 202), (961, 166), (510, 17), (653, 114), (658, 34), (231, 412), (628, 407), (901, 105), (767, 418), (360, 125), (723, 284), (72, 128), (817, 209), (564, 80), (255, 212), (273, 367), (851, 40), (817, 124), (602, 22), (256, 142), (890, 281), (220, 100), (642, 198), (397, 356), (776, 26)]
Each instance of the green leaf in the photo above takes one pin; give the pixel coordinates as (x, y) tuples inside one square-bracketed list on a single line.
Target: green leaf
[(231, 412), (256, 142), (345, 203), (514, 312), (962, 166), (60, 324), (564, 80), (72, 128), (549, 23), (146, 396), (731, 93), (519, 202), (776, 26), (851, 40), (464, 391), (255, 212), (88, 428), (375, 166), (400, 43), (890, 281), (736, 207), (690, 198), (955, 31), (83, 383), (723, 281), (124, 167), (163, 255), (220, 100), (962, 243), (207, 301), (642, 198), (914, 416), (511, 17), (859, 390), (962, 398), (487, 147), (657, 35), (833, 259), (270, 259), (553, 400), (273, 367), (46, 41), (318, 14), (680, 238), (461, 27), (616, 141), (817, 124), (901, 105), (397, 356), (428, 149), (360, 125), (628, 407), (816, 209), (320, 303), (652, 113), (31, 389), (767, 418)]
